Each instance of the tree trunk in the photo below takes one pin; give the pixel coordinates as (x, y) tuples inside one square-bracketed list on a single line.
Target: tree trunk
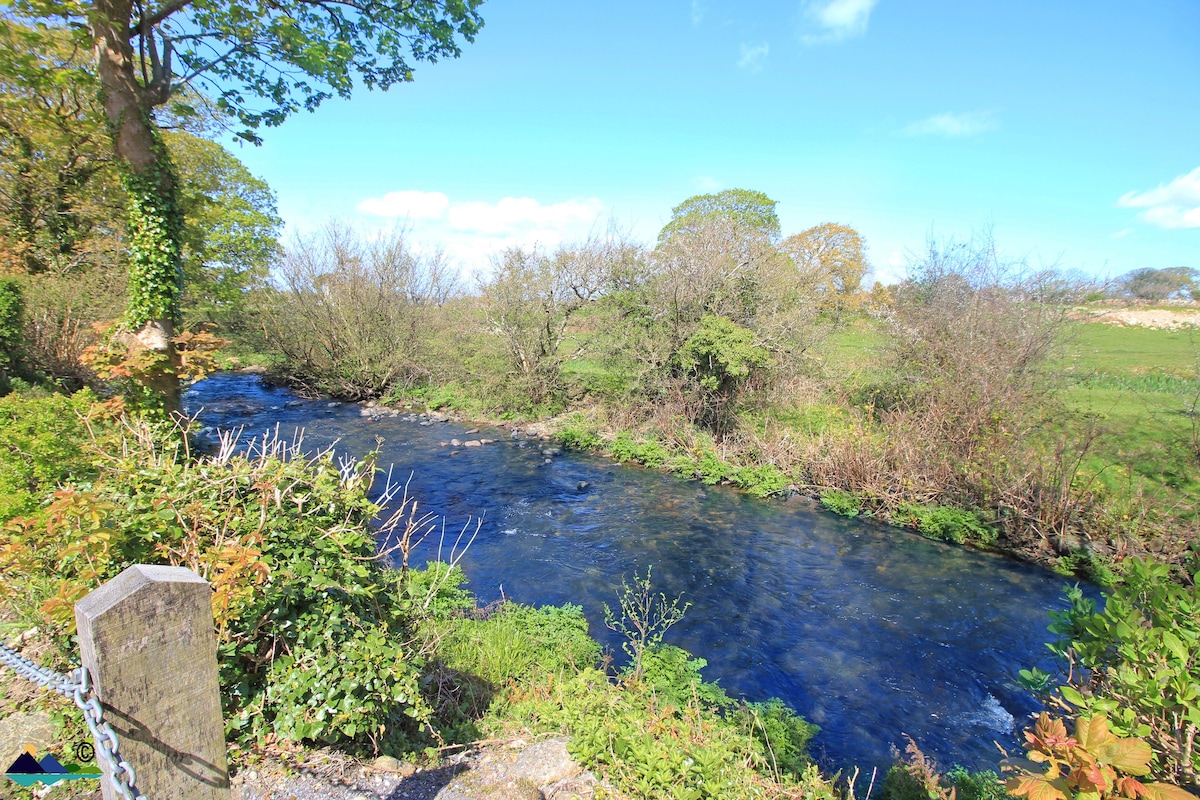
[(154, 223)]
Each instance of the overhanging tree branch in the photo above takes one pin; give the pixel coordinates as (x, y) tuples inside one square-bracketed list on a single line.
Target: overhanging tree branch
[(150, 21)]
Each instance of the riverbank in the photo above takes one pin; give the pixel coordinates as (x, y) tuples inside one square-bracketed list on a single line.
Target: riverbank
[(1096, 465), (694, 455)]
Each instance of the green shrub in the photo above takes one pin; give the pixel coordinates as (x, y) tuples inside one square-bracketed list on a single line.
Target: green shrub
[(763, 480), (920, 781), (12, 308), (437, 590), (915, 776), (1088, 566), (848, 504), (675, 675), (578, 433), (46, 441), (782, 732), (450, 396), (313, 642), (650, 744), (626, 448), (652, 454), (945, 523), (1135, 662), (900, 784), (985, 785), (711, 469)]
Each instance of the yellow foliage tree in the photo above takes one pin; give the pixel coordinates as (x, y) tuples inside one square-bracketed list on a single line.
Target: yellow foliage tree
[(829, 261)]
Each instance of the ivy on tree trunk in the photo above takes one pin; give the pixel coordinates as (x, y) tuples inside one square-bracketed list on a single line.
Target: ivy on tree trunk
[(155, 224)]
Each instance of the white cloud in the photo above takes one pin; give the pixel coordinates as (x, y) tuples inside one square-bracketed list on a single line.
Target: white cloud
[(697, 12), (514, 215), (753, 56), (1174, 205), (472, 231), (410, 204), (953, 125), (836, 20)]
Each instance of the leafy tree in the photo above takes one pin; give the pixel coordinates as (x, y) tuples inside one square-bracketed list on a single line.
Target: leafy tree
[(262, 61), (230, 227), (829, 261), (719, 359), (1161, 284), (57, 185), (716, 295), (715, 256), (746, 209)]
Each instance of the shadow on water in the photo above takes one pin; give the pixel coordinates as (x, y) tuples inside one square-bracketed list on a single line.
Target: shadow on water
[(865, 630)]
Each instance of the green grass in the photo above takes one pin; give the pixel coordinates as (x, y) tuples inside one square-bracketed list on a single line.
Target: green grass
[(851, 348), (1132, 351), (1138, 386)]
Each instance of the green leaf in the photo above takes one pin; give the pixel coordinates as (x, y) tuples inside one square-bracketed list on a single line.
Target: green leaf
[(1172, 643), (1072, 696)]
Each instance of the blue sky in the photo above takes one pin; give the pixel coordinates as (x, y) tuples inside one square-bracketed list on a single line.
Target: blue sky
[(1071, 130)]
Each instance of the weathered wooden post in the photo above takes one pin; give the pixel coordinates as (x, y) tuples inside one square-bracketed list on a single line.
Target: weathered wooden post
[(147, 639)]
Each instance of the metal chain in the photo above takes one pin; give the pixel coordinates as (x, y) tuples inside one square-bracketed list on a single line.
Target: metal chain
[(78, 686)]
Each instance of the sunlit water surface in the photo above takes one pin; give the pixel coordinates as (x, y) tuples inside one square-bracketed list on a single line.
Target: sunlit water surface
[(867, 631)]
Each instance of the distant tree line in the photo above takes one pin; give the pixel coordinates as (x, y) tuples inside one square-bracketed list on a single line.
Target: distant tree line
[(720, 305), (1157, 285)]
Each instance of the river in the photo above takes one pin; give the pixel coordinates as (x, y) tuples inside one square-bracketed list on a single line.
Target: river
[(867, 631)]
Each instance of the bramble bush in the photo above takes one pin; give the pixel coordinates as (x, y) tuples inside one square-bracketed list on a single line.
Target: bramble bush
[(46, 441)]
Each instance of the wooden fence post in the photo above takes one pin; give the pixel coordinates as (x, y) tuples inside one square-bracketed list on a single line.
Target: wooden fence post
[(147, 639)]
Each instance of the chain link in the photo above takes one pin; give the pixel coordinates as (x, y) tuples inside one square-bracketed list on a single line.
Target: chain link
[(78, 687)]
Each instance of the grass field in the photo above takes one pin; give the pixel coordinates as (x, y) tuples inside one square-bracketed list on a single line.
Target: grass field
[(1139, 387), (1132, 351)]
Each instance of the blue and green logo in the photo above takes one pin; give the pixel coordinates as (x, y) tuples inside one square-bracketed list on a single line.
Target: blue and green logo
[(28, 770)]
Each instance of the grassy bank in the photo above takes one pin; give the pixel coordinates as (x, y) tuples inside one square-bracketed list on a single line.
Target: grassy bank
[(1102, 465)]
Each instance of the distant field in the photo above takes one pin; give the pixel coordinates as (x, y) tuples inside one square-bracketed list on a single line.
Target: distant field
[(1133, 351), (1140, 386)]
